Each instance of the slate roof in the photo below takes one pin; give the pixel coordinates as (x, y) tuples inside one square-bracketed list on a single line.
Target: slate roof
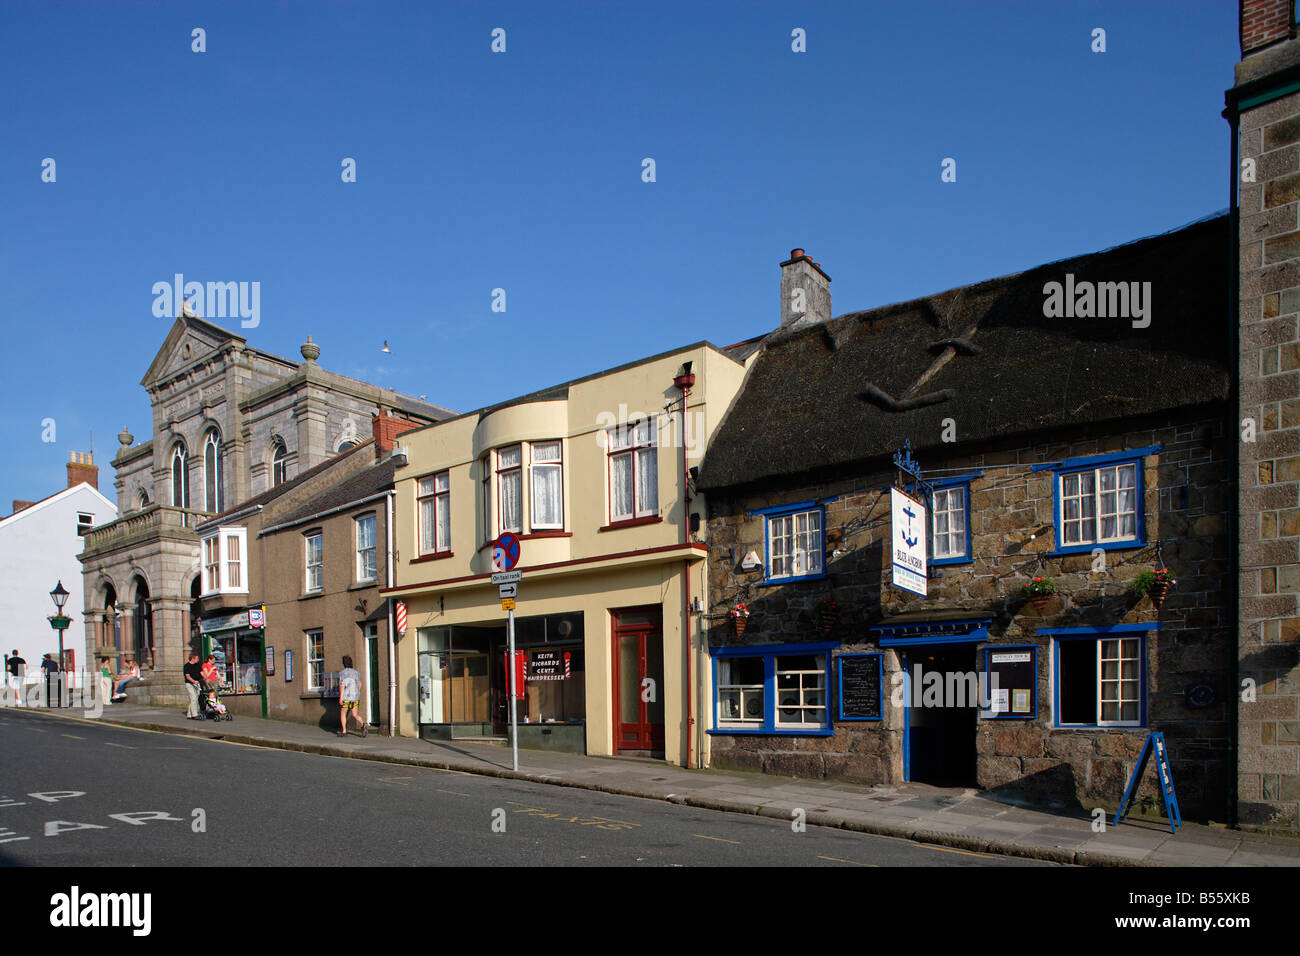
[(358, 487), (848, 391), (271, 494)]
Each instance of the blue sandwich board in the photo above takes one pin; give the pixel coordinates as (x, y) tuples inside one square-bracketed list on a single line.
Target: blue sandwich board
[(1155, 744)]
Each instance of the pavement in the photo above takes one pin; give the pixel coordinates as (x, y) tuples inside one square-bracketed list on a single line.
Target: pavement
[(959, 818)]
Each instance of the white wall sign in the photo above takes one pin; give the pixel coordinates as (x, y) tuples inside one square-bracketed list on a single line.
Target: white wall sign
[(909, 542)]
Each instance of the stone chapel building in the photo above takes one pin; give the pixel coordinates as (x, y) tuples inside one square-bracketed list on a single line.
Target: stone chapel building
[(229, 422)]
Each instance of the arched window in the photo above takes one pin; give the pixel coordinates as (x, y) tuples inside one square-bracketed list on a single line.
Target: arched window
[(279, 464), (346, 445), (141, 500), (212, 471), (180, 477)]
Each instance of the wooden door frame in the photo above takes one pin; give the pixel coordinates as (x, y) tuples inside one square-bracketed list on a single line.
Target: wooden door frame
[(617, 631)]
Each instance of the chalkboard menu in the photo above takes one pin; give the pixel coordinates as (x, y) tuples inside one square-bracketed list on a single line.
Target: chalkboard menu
[(1012, 681), (861, 695)]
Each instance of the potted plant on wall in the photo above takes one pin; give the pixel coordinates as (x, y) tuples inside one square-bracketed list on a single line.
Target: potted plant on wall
[(1039, 590), (739, 615), (1157, 584), (828, 612)]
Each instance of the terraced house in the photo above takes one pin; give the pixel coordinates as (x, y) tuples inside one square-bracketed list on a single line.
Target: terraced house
[(595, 478), (1074, 448)]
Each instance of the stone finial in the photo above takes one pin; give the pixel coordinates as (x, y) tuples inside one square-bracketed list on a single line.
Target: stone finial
[(310, 350), (125, 437)]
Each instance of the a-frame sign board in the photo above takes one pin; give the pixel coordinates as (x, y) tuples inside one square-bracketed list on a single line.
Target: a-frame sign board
[(1155, 743)]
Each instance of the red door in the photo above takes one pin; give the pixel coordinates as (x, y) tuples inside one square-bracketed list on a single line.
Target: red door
[(638, 680)]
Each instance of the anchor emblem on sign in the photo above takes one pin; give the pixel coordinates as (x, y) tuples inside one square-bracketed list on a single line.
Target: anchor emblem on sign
[(910, 541)]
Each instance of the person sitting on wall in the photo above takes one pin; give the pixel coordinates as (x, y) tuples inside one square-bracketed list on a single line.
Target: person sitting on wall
[(130, 672)]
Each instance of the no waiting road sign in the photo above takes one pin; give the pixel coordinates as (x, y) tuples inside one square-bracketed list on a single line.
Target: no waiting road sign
[(506, 553)]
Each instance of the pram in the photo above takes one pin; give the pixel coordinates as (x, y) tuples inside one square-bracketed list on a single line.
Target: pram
[(210, 705)]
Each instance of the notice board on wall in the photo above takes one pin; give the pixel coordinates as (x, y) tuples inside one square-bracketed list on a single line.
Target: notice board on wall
[(1012, 681), (861, 687)]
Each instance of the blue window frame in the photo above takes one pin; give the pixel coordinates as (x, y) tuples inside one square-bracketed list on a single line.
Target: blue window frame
[(794, 538), (781, 689), (1097, 502), (1099, 675), (949, 516)]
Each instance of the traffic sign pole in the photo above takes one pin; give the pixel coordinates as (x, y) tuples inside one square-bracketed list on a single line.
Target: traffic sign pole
[(514, 708)]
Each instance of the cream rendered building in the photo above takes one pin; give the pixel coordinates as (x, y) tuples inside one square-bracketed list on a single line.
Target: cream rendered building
[(593, 476)]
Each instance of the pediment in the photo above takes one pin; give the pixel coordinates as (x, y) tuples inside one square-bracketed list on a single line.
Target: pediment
[(189, 340)]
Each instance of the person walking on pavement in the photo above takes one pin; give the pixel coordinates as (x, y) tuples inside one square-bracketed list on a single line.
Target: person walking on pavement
[(193, 684), (15, 669), (349, 697)]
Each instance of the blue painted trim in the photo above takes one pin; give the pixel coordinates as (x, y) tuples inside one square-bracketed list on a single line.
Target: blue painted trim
[(974, 637), (1076, 464), (1067, 634), (988, 651), (907, 718), (1140, 538), (839, 687), (964, 478), (759, 650), (965, 557), (769, 653), (930, 625), (1100, 629), (786, 509), (778, 511)]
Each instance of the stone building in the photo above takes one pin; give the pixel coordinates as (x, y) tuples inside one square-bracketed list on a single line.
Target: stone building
[(229, 422), (1264, 112), (1083, 443)]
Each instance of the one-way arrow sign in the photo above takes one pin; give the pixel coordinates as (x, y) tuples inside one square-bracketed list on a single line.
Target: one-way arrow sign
[(508, 591)]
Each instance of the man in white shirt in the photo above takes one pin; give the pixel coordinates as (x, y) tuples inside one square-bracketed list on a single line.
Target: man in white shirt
[(349, 697)]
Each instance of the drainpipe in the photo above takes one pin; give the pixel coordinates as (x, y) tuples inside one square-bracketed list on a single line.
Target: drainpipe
[(684, 381), (392, 618), (1234, 457)]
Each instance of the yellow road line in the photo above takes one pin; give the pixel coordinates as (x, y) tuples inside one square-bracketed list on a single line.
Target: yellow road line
[(456, 792), (719, 839), (836, 859), (109, 743), (73, 736), (948, 849), (396, 780)]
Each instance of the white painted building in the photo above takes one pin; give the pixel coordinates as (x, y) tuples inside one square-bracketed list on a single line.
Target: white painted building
[(39, 544)]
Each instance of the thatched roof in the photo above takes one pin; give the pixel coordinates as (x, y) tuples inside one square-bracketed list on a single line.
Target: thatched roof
[(848, 391)]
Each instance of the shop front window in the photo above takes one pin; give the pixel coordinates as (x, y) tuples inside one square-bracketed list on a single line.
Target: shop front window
[(239, 661)]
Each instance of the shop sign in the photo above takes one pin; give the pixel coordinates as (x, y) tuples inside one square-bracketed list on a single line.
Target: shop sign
[(549, 665), (909, 544), (223, 622), (257, 617)]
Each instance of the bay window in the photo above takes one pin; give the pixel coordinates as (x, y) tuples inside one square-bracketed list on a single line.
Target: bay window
[(548, 485), (224, 552)]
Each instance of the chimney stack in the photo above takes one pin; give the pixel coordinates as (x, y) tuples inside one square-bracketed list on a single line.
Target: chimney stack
[(1264, 23), (805, 291), (20, 505), (386, 428), (81, 468)]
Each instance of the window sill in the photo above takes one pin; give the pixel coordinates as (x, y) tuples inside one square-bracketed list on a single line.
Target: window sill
[(1070, 549), (557, 533), (1140, 727), (364, 585), (777, 582), (950, 561), (632, 523), (434, 556), (311, 594)]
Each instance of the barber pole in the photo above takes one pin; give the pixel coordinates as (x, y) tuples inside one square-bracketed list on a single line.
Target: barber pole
[(401, 617)]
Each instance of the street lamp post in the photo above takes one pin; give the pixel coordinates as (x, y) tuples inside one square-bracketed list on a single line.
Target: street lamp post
[(60, 623)]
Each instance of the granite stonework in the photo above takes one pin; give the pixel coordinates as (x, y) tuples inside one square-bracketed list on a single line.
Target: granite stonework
[(1268, 636), (1185, 487)]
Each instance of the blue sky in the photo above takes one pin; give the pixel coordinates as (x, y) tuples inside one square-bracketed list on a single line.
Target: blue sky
[(523, 171)]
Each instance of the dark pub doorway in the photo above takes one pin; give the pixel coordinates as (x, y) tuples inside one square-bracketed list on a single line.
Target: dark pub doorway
[(942, 718)]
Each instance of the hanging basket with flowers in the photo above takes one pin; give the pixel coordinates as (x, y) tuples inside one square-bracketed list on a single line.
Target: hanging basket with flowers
[(1156, 584), (1039, 592), (828, 612), (739, 615)]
